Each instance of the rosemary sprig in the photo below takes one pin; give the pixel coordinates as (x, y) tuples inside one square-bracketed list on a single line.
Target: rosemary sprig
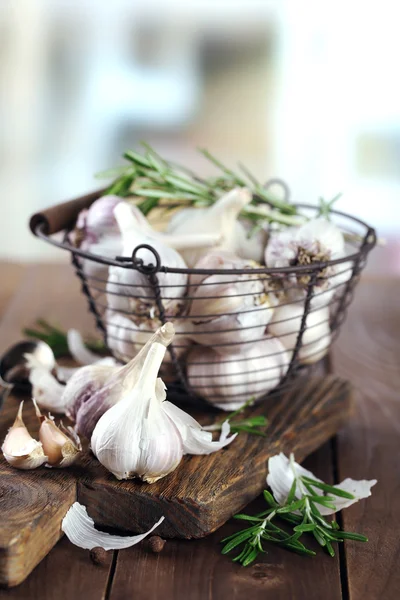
[(56, 338), (157, 181), (302, 514), (325, 206), (254, 425)]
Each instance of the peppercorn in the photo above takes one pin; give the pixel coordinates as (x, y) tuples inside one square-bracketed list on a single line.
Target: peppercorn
[(156, 544), (98, 556)]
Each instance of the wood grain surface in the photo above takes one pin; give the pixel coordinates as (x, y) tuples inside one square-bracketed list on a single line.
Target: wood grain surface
[(205, 491), (367, 353)]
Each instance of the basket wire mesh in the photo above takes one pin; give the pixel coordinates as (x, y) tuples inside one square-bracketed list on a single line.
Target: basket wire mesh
[(233, 365)]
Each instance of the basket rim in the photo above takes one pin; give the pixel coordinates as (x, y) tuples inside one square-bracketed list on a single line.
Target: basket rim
[(129, 262)]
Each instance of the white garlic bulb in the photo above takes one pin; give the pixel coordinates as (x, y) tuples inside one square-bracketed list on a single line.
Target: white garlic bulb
[(94, 389), (229, 381), (139, 438), (318, 240), (216, 259), (19, 449), (229, 311), (128, 290), (286, 324), (126, 338), (219, 219)]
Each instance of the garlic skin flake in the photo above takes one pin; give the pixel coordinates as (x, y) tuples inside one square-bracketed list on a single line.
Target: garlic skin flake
[(19, 449), (283, 471), (143, 436), (61, 449), (80, 530)]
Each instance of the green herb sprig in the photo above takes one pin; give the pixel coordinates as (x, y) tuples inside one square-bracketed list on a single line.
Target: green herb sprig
[(158, 182), (254, 425), (302, 514), (56, 338)]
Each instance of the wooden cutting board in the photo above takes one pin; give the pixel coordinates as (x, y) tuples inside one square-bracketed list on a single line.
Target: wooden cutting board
[(197, 498)]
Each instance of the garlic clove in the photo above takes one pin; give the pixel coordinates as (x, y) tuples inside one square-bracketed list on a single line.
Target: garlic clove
[(61, 450), (80, 530), (194, 438), (19, 449)]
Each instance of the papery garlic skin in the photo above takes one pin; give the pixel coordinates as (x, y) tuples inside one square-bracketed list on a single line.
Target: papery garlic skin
[(128, 290), (286, 323), (135, 438), (80, 530), (229, 381), (220, 218), (227, 311), (283, 471), (20, 450)]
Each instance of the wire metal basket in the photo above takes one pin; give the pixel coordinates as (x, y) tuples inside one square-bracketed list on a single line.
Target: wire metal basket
[(226, 364)]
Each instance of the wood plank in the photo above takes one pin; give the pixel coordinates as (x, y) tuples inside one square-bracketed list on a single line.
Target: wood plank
[(49, 291), (196, 569), (67, 572), (368, 353), (205, 491)]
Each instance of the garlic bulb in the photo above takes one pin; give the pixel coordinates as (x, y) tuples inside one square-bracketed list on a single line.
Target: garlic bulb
[(227, 311), (144, 436), (220, 219), (61, 449), (97, 232), (229, 381), (126, 338), (216, 259), (20, 449), (129, 290), (318, 240), (135, 438), (286, 324), (94, 389)]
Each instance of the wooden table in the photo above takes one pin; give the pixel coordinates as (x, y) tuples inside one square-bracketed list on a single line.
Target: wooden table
[(367, 353)]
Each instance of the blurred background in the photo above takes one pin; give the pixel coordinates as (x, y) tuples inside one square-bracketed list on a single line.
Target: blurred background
[(307, 91)]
